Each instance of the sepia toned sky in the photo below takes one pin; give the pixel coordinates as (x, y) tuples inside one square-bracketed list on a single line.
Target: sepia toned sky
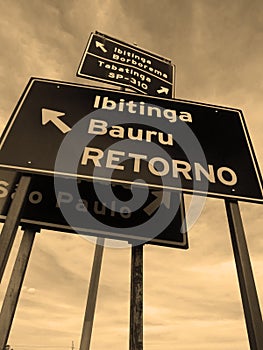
[(191, 298)]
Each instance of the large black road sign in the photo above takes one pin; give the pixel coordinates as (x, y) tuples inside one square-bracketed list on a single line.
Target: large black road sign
[(112, 61), (43, 208), (99, 134)]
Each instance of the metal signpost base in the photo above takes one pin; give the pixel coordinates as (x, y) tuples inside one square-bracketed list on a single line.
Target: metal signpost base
[(136, 302), (15, 285), (8, 233), (245, 276), (92, 296)]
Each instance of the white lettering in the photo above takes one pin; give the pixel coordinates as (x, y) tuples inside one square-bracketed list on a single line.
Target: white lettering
[(185, 117), (185, 170), (35, 197), (100, 125), (170, 114), (149, 135), (111, 158), (158, 172), (140, 108), (63, 197), (82, 205), (117, 131), (125, 212), (108, 104), (208, 174), (160, 167), (3, 190), (137, 163), (87, 154), (233, 176)]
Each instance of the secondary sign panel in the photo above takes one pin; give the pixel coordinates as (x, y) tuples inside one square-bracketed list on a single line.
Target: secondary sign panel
[(43, 208), (70, 129), (112, 61)]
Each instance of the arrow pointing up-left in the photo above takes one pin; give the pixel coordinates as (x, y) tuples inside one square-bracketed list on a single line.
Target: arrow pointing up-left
[(49, 115), (101, 46)]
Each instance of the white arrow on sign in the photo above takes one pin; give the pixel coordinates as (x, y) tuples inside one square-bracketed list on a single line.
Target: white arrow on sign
[(163, 90), (49, 115), (101, 46), (161, 198)]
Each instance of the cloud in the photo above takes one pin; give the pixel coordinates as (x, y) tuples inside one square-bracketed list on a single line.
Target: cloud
[(27, 290)]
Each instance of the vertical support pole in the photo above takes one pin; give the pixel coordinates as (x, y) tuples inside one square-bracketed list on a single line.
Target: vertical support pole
[(245, 276), (92, 296), (136, 302), (15, 285), (8, 233)]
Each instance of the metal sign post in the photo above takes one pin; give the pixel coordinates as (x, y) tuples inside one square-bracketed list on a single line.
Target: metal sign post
[(245, 276), (136, 297), (136, 290), (92, 296), (15, 285), (8, 234)]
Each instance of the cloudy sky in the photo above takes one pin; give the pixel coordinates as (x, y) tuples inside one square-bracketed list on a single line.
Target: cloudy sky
[(191, 298)]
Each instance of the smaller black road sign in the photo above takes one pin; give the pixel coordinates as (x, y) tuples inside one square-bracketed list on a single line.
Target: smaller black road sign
[(43, 208), (112, 61)]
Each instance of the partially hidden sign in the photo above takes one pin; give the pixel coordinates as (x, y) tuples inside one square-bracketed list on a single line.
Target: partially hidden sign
[(112, 61), (96, 134), (43, 208)]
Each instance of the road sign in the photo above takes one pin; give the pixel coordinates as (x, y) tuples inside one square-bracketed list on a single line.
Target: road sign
[(112, 61), (43, 208), (169, 144)]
